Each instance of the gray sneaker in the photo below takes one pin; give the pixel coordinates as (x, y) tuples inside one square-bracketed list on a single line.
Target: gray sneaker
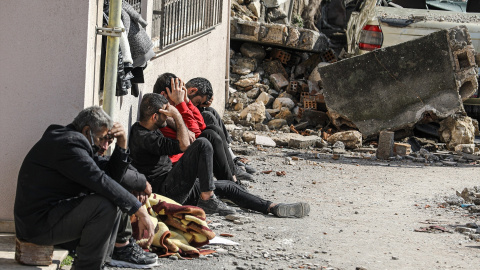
[(214, 205), (284, 210), (241, 174)]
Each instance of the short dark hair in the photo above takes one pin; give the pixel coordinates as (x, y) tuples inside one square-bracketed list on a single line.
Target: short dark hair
[(163, 81), (150, 104), (203, 85)]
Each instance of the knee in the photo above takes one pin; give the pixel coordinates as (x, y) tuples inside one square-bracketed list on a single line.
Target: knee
[(105, 207), (204, 144), (212, 134)]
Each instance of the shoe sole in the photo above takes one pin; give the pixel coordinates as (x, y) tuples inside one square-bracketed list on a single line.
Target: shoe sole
[(125, 264), (294, 210)]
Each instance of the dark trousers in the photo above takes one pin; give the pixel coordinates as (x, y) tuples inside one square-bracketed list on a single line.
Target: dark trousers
[(197, 162), (211, 117), (229, 190), (94, 223), (223, 167)]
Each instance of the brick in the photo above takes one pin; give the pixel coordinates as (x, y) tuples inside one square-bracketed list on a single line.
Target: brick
[(385, 145), (402, 149), (31, 254), (244, 30), (280, 55)]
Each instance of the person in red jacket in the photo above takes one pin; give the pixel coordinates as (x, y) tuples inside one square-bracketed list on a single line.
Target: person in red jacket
[(223, 166)]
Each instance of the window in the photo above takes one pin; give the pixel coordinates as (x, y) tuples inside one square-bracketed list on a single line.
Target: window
[(175, 21)]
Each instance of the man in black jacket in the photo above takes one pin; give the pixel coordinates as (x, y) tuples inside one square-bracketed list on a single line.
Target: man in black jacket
[(62, 194)]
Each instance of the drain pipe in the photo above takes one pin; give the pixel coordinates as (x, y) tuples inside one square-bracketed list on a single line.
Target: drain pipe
[(111, 58), (227, 60)]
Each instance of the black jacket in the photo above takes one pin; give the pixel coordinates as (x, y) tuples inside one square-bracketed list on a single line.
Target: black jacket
[(57, 173)]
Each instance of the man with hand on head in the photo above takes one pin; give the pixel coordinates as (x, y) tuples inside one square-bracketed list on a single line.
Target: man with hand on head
[(63, 196)]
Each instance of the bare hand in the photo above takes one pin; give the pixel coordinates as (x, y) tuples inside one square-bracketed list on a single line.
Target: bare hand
[(208, 103), (118, 132), (187, 100), (148, 189), (145, 223), (141, 196), (177, 94), (191, 136), (170, 111)]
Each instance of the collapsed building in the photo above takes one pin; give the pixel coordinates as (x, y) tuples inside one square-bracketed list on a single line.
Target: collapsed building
[(296, 80)]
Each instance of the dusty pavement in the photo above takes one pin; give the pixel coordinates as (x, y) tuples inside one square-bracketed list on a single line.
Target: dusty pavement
[(363, 214)]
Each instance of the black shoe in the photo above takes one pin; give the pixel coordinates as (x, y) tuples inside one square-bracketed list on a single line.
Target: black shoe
[(214, 205), (291, 210), (139, 249), (241, 174), (248, 168), (132, 257)]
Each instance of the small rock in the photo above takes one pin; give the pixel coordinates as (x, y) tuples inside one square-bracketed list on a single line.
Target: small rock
[(264, 141), (283, 102)]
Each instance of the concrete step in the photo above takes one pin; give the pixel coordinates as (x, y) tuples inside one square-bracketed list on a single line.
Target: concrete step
[(7, 255)]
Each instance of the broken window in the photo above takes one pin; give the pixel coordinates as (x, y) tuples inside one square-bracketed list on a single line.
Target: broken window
[(176, 21)]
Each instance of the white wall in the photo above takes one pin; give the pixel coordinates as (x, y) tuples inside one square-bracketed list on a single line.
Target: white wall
[(44, 52)]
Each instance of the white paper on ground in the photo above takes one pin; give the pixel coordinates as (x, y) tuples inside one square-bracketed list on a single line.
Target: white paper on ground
[(218, 240)]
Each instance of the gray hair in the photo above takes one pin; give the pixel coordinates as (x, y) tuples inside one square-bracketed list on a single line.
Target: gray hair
[(94, 117)]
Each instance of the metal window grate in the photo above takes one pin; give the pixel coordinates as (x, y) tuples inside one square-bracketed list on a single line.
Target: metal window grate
[(175, 21)]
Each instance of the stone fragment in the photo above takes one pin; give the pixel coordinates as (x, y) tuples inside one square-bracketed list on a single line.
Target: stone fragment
[(283, 102), (273, 3), (465, 148), (303, 142), (351, 139), (244, 30), (273, 34), (253, 94), (248, 81), (338, 145), (293, 36), (402, 149), (315, 118), (264, 141), (315, 74), (261, 127), (455, 130), (244, 66), (255, 7), (265, 98), (255, 113), (278, 81), (273, 67), (253, 50), (276, 123), (385, 145), (277, 15), (238, 107), (248, 136), (286, 114)]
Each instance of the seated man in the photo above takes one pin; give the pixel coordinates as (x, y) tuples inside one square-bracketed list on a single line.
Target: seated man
[(200, 93), (150, 151), (62, 194), (223, 166)]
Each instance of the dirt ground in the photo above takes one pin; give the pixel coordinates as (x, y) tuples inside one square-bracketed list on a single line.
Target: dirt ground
[(363, 215)]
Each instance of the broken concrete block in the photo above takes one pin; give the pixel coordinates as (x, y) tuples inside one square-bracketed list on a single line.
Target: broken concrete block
[(315, 74), (244, 66), (273, 34), (253, 94), (255, 113), (385, 144), (293, 37), (278, 81), (465, 148), (283, 102), (248, 136), (276, 123), (32, 254), (244, 30), (273, 67), (267, 99), (393, 88), (255, 7), (264, 141), (402, 149), (253, 50), (282, 139), (248, 81), (303, 142), (286, 114), (455, 130), (351, 139)]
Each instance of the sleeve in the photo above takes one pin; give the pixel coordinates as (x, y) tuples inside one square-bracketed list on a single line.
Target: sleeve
[(133, 180), (159, 145), (117, 164), (76, 163), (198, 116), (189, 119)]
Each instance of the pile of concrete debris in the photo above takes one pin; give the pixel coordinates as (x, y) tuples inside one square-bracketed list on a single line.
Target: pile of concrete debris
[(414, 91)]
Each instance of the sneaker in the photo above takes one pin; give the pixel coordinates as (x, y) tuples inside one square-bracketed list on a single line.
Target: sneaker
[(131, 256), (242, 174), (214, 205), (291, 210), (248, 168), (139, 249)]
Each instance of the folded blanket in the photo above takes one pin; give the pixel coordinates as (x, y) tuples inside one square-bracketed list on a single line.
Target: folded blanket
[(180, 228)]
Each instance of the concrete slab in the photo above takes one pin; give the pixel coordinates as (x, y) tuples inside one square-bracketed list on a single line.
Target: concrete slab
[(393, 87), (7, 256)]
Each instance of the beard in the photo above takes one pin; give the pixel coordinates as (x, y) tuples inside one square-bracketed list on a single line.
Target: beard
[(160, 124)]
